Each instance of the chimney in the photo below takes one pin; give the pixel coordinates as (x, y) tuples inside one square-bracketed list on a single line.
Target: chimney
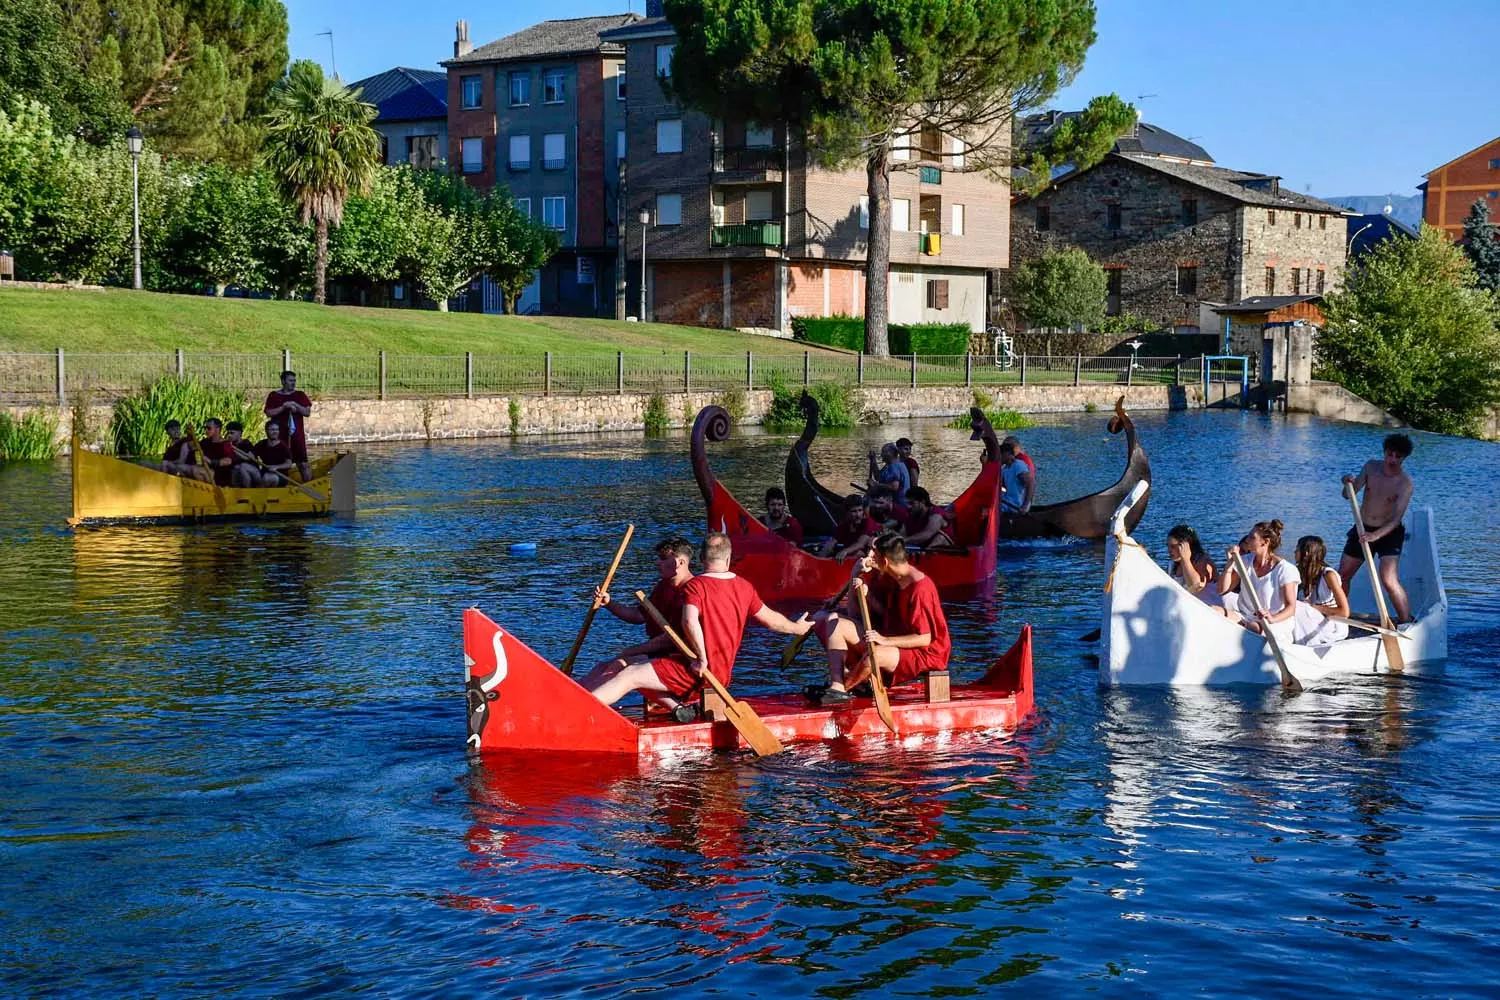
[(461, 44)]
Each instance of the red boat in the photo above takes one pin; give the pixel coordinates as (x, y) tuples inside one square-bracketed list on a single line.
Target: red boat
[(519, 701), (778, 568)]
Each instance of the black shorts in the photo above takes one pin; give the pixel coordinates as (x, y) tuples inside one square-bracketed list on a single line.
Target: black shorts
[(1388, 545)]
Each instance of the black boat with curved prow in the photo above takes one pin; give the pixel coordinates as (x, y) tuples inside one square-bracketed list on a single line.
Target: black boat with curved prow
[(815, 506), (1087, 517)]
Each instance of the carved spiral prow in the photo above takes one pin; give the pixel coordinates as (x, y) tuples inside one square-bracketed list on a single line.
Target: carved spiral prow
[(810, 414), (712, 424), (1121, 422), (984, 431)]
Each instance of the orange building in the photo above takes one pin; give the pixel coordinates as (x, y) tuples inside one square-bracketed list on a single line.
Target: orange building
[(1451, 190)]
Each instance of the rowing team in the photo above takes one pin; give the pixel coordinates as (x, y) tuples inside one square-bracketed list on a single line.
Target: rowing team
[(918, 521), (711, 610), (225, 458), (1305, 600)]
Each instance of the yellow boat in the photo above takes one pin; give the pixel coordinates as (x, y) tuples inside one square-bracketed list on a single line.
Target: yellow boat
[(110, 489)]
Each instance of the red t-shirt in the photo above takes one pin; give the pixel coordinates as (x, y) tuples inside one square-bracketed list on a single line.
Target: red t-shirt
[(272, 454), (791, 530), (213, 453), (179, 451), (724, 608), (290, 423), (844, 534), (915, 609), (913, 470), (666, 597)]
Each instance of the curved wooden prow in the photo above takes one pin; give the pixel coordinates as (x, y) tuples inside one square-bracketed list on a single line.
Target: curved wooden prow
[(814, 505), (983, 431), (711, 424)]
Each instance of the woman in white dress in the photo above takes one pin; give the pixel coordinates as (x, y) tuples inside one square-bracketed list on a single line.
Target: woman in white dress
[(1191, 566), (1321, 596), (1273, 578)]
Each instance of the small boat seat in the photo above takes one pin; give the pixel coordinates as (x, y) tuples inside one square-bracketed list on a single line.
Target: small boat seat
[(936, 684)]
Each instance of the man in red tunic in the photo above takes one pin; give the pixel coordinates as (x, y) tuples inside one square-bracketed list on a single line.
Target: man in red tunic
[(218, 453), (289, 408), (717, 605), (178, 458), (912, 637), (274, 456), (913, 468), (854, 531), (779, 519), (924, 525), (674, 558)]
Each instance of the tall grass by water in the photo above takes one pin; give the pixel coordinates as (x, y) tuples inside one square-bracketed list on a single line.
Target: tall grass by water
[(1000, 418), (839, 405), (29, 439), (137, 426)]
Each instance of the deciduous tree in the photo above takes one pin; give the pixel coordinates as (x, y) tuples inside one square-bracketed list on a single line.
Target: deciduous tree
[(1060, 290)]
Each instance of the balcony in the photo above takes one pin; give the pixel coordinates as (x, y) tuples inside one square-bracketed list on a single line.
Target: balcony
[(557, 164), (749, 234), (931, 175), (518, 166), (757, 161)]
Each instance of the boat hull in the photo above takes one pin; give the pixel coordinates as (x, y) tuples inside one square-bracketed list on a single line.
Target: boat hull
[(108, 490), (518, 701), (1155, 633)]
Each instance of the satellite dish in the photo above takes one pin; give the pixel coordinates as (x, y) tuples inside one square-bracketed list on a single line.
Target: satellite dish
[(1387, 209)]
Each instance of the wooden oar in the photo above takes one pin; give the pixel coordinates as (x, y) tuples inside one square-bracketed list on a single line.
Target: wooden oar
[(277, 472), (1370, 627), (1287, 680), (1392, 647), (795, 646), (740, 715), (588, 619), (877, 683)]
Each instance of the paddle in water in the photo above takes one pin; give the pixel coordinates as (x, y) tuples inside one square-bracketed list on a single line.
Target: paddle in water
[(1393, 653), (1288, 681), (277, 472), (740, 715), (588, 619), (877, 683)]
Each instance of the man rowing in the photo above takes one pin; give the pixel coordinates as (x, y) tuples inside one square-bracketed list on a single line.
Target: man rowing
[(289, 408), (674, 557), (854, 532), (178, 458), (892, 476), (1388, 489), (779, 519), (1015, 481), (717, 605), (216, 452), (913, 635), (273, 455), (243, 471), (924, 526), (913, 468)]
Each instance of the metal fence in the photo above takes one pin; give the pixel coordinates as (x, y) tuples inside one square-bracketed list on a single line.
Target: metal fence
[(65, 377)]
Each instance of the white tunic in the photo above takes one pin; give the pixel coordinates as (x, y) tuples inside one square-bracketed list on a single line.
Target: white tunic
[(1313, 627), (1269, 587)]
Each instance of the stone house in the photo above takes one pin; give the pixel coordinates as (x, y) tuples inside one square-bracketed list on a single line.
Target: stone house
[(539, 111), (1452, 189), (411, 114), (746, 230), (1179, 237)]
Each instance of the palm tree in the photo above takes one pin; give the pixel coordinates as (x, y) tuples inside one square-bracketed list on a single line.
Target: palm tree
[(321, 147)]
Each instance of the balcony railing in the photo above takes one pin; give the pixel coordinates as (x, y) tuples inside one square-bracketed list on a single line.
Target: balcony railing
[(517, 166), (748, 159), (931, 175), (749, 234), (558, 164)]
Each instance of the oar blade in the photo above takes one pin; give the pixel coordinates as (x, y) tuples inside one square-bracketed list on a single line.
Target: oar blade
[(753, 728)]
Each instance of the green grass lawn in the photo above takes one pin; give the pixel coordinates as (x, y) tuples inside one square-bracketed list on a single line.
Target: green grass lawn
[(120, 321)]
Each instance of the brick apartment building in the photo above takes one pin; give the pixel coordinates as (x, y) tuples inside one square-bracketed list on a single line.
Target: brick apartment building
[(1180, 237), (747, 231), (1451, 190), (539, 112)]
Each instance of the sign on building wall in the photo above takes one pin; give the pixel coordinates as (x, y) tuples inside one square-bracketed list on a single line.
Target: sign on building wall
[(585, 270)]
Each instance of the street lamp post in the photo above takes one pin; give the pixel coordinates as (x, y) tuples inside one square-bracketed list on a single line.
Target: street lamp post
[(645, 220), (134, 139)]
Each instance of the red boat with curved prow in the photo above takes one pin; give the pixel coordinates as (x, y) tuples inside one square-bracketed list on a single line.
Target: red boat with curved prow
[(784, 572), (519, 701)]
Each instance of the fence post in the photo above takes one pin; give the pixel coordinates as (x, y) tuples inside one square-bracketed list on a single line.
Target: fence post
[(468, 374), (547, 373), (859, 371), (62, 382), (180, 367), (968, 371), (749, 371), (382, 375), (1177, 372), (1078, 369), (1023, 369), (1130, 370), (913, 371), (620, 372), (687, 371), (286, 360), (806, 368)]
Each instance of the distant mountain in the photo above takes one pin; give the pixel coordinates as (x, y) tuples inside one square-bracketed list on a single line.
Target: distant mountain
[(1404, 208)]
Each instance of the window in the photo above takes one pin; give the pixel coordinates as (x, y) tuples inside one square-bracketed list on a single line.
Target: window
[(937, 293), (901, 147), (864, 211), (669, 135), (1271, 217), (1112, 219), (1043, 218), (520, 89), (958, 154), (1296, 281), (1492, 194), (1320, 281), (555, 213), (554, 86), (760, 136), (957, 227), (620, 84), (1270, 281), (758, 206), (664, 60), (473, 90), (554, 151), (1297, 220), (1495, 164), (1187, 279), (520, 152), (619, 144), (1113, 282), (669, 210), (901, 215), (422, 151), (1190, 211), (523, 205), (473, 155), (1322, 222)]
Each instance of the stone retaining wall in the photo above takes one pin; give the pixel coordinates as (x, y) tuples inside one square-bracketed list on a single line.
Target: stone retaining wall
[(1333, 402)]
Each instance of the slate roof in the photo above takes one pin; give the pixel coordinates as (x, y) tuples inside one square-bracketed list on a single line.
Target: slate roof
[(1144, 138), (1247, 188), (1365, 231), (550, 40), (403, 94), (1266, 303)]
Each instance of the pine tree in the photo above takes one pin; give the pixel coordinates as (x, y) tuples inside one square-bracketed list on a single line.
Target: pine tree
[(1481, 243)]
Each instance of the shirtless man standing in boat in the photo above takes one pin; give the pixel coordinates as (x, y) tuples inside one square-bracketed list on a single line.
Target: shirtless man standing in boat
[(716, 607), (674, 558), (1388, 490)]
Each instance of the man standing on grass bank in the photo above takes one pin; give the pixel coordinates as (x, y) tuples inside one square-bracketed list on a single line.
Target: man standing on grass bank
[(289, 408), (1388, 490)]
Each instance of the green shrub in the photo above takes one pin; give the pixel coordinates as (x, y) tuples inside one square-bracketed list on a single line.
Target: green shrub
[(930, 338), (657, 418), (136, 427), (1000, 417), (847, 332), (515, 416), (30, 439), (734, 403), (839, 405)]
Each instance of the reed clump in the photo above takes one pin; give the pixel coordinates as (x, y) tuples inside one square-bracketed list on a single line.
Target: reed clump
[(1000, 418), (137, 424), (33, 438)]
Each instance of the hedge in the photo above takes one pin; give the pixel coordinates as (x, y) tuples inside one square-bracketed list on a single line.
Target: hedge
[(848, 332)]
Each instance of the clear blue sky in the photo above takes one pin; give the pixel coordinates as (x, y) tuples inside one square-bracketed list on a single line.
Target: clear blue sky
[(1337, 96)]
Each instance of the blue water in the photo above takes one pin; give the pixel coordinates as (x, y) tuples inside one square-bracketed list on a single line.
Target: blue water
[(232, 758)]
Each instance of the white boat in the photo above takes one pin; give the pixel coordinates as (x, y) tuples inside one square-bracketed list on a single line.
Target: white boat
[(1153, 632)]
